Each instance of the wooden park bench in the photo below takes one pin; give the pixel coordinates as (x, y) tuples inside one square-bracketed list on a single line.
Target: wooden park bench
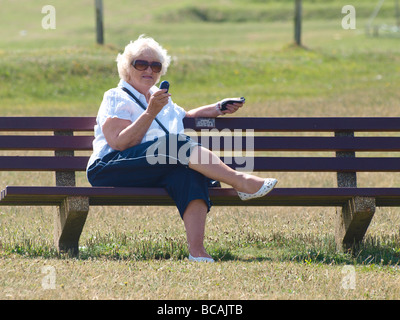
[(334, 137)]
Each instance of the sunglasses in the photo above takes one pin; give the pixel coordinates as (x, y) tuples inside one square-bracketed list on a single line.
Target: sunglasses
[(142, 65)]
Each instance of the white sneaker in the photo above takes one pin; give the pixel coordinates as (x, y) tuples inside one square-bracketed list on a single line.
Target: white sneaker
[(268, 185), (200, 259)]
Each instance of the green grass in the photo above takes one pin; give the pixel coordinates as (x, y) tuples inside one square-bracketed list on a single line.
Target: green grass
[(246, 242), (212, 60), (226, 48), (261, 253), (73, 79)]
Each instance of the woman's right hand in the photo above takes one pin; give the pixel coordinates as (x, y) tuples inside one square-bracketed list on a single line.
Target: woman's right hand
[(157, 101)]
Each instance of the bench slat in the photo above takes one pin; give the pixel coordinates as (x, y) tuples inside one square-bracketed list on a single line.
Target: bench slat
[(47, 123), (325, 164), (46, 142), (263, 164), (258, 124), (219, 143), (14, 195), (10, 163), (382, 124), (303, 143)]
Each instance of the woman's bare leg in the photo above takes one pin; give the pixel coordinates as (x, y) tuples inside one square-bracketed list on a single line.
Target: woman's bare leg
[(210, 165), (194, 219), (207, 163)]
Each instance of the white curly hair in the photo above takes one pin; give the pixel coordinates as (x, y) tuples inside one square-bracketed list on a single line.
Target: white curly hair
[(134, 49)]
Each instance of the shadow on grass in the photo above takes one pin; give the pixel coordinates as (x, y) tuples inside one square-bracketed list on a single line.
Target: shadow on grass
[(383, 251)]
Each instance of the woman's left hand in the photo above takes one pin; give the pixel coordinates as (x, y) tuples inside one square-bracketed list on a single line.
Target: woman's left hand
[(232, 107), (214, 110)]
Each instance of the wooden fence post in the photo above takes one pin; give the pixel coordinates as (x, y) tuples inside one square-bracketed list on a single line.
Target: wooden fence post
[(99, 21), (297, 22)]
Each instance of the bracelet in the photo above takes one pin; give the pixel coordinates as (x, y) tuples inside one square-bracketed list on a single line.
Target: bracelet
[(218, 108)]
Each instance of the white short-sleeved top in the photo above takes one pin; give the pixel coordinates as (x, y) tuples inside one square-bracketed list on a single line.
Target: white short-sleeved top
[(118, 104)]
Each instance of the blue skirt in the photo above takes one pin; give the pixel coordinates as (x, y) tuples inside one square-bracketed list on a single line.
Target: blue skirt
[(163, 162)]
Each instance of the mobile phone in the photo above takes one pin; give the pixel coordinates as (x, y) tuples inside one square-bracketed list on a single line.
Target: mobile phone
[(164, 85), (231, 101)]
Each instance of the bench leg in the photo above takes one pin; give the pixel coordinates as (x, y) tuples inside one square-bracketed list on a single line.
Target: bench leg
[(353, 221), (69, 221)]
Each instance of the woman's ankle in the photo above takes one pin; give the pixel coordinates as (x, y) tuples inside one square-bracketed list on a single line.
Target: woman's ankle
[(198, 252), (249, 184)]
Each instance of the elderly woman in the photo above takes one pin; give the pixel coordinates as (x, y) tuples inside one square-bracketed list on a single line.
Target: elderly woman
[(136, 120)]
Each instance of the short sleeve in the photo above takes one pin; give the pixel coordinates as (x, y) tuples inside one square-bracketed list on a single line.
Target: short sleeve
[(115, 105)]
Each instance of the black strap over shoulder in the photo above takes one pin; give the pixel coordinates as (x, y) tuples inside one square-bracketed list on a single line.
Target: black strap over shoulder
[(144, 108)]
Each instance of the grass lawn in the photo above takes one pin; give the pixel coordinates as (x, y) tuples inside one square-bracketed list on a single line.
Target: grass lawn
[(236, 48)]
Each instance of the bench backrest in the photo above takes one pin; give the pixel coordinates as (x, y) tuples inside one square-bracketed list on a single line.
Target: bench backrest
[(256, 136)]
